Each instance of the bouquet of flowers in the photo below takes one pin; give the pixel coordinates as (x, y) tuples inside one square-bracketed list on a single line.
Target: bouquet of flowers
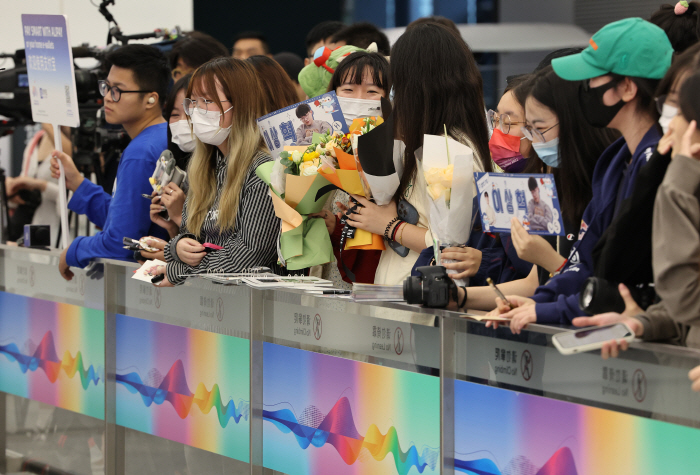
[(303, 242), (346, 173), (448, 170)]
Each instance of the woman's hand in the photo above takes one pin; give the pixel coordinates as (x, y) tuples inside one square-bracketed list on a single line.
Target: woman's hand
[(611, 349), (687, 147), (73, 176), (173, 198), (14, 185), (156, 218), (666, 143), (533, 248), (157, 244), (10, 189), (372, 217), (63, 267), (468, 261), (190, 251), (159, 270), (328, 217), (694, 376), (522, 313)]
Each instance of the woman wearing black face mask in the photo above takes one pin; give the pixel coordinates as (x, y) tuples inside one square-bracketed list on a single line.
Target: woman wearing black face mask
[(620, 71)]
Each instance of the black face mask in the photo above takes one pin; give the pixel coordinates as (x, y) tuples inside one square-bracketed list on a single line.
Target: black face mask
[(594, 110)]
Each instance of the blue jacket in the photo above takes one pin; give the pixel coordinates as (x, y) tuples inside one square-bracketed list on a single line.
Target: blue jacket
[(126, 212), (557, 300)]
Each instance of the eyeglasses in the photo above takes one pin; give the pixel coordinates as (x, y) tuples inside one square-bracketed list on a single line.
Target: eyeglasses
[(501, 122), (116, 92), (664, 100), (534, 135), (201, 105)]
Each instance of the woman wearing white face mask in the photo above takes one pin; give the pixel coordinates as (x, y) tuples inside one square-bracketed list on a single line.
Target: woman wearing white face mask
[(181, 143), (360, 81), (224, 99)]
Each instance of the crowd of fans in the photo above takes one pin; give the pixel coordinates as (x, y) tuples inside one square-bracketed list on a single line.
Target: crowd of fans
[(615, 123)]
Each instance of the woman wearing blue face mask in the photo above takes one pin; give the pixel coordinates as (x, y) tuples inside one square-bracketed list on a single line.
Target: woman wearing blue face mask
[(569, 147)]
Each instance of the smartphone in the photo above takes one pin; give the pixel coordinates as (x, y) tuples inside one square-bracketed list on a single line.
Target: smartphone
[(589, 339), (209, 247)]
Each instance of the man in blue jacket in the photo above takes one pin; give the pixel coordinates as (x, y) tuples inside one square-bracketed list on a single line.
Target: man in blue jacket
[(620, 70), (133, 95)]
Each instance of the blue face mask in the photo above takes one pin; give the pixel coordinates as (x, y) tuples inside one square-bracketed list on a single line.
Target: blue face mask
[(548, 152)]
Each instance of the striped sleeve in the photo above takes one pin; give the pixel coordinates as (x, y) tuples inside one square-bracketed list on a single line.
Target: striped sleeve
[(254, 240)]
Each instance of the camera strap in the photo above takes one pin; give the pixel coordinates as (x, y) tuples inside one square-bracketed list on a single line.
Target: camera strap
[(348, 233)]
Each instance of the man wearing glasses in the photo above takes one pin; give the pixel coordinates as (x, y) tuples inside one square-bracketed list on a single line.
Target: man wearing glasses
[(133, 95), (538, 212)]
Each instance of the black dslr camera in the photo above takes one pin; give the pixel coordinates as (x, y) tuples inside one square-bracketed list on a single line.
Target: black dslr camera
[(433, 288)]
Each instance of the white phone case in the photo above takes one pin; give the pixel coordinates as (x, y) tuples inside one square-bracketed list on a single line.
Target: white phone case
[(590, 346)]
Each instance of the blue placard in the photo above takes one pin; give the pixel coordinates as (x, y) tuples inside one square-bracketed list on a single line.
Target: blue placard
[(531, 198), (51, 78), (284, 127)]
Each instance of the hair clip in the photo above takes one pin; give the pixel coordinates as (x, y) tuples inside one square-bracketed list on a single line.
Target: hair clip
[(681, 7)]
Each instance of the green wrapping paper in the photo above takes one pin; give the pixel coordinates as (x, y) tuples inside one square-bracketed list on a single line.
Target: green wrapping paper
[(312, 239), (305, 241)]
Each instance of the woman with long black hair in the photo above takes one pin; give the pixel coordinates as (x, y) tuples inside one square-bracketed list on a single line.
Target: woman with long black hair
[(569, 147), (439, 89)]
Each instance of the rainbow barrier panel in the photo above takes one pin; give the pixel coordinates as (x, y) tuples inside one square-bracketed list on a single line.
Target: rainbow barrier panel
[(52, 361), (519, 406), (108, 375)]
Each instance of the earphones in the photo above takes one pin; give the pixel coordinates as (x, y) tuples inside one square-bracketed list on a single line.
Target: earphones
[(151, 100)]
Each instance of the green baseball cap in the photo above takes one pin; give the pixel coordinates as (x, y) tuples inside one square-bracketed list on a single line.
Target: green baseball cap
[(630, 47)]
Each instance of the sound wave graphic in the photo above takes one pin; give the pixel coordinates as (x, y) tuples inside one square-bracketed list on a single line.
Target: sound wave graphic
[(338, 429), (561, 463), (45, 357), (175, 390)]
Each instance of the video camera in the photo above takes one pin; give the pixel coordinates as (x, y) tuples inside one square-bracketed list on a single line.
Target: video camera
[(94, 136)]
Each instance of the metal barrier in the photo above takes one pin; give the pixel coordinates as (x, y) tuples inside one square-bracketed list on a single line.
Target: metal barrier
[(106, 374)]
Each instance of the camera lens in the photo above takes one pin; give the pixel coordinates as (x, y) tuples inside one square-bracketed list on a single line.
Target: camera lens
[(413, 290), (587, 294), (600, 296)]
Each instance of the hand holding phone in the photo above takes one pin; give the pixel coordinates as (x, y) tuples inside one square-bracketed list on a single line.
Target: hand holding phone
[(209, 247), (592, 338)]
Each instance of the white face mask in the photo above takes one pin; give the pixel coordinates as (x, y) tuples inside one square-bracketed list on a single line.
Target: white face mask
[(356, 108), (667, 114), (182, 135), (207, 129)]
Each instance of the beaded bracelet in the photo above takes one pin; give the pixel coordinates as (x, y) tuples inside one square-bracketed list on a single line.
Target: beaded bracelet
[(388, 227)]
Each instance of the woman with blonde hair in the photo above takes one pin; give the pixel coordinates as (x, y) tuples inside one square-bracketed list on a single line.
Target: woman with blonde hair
[(227, 204)]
